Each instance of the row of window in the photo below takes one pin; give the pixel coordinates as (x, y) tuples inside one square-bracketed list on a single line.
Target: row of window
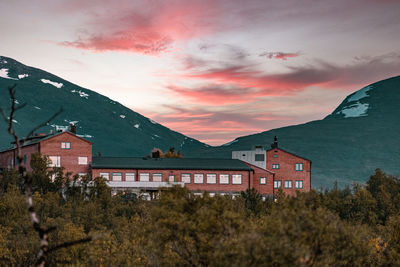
[(288, 184), (198, 178), (298, 166), (56, 161)]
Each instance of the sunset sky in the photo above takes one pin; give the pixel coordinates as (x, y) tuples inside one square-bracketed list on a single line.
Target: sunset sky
[(212, 70)]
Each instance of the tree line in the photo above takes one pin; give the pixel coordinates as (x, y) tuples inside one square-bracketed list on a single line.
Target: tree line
[(358, 225)]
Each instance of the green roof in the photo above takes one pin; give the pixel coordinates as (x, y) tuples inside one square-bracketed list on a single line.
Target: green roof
[(168, 163)]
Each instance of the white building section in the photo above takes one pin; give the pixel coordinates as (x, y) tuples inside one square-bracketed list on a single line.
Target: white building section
[(256, 157)]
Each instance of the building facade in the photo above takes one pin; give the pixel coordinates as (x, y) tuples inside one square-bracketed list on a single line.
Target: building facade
[(264, 170), (291, 172), (64, 149)]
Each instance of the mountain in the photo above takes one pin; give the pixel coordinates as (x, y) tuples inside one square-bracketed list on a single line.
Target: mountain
[(360, 135), (114, 129)]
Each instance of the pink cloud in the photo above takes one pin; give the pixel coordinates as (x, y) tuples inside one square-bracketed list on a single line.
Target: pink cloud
[(279, 55), (215, 94), (216, 127), (147, 28)]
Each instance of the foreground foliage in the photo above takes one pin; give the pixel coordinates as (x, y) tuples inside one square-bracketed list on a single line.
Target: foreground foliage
[(357, 226)]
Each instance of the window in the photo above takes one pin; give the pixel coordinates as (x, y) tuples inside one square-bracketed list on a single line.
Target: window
[(82, 161), (263, 180), (277, 184), (105, 175), (130, 177), (211, 178), (117, 176), (224, 178), (82, 174), (299, 166), (259, 157), (236, 179), (171, 178), (298, 184), (288, 184), (275, 166), (65, 145), (275, 155), (144, 177), (25, 159), (157, 177), (186, 178), (55, 161), (198, 178)]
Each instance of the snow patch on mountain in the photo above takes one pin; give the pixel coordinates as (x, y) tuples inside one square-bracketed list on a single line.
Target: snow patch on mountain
[(359, 94), (55, 84), (136, 126), (356, 110), (4, 74), (60, 127), (21, 76), (81, 93), (85, 135), (122, 116), (37, 107)]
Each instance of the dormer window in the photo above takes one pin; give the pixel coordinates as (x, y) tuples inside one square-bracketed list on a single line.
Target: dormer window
[(65, 145)]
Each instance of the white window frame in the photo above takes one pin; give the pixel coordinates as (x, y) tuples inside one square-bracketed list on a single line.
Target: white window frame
[(263, 180), (224, 178), (144, 177), (105, 175), (129, 177), (198, 178), (288, 184), (236, 179), (157, 177), (211, 178), (277, 184), (171, 178), (65, 145), (299, 167), (299, 184), (185, 178), (55, 161), (82, 160), (275, 166), (115, 176)]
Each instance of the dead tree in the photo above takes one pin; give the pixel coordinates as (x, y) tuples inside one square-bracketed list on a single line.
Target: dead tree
[(45, 248)]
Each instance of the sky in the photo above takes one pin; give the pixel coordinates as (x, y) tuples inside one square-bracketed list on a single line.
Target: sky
[(212, 70)]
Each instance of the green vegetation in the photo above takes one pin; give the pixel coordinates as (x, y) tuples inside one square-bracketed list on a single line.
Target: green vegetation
[(352, 226)]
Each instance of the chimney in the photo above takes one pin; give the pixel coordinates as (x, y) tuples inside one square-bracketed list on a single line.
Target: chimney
[(275, 143), (72, 128), (155, 154)]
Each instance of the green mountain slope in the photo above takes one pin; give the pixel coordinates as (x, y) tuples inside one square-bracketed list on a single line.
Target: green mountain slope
[(114, 129), (361, 134)]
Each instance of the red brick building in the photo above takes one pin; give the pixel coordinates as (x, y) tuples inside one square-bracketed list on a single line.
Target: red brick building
[(291, 172), (264, 170), (216, 176), (63, 149)]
